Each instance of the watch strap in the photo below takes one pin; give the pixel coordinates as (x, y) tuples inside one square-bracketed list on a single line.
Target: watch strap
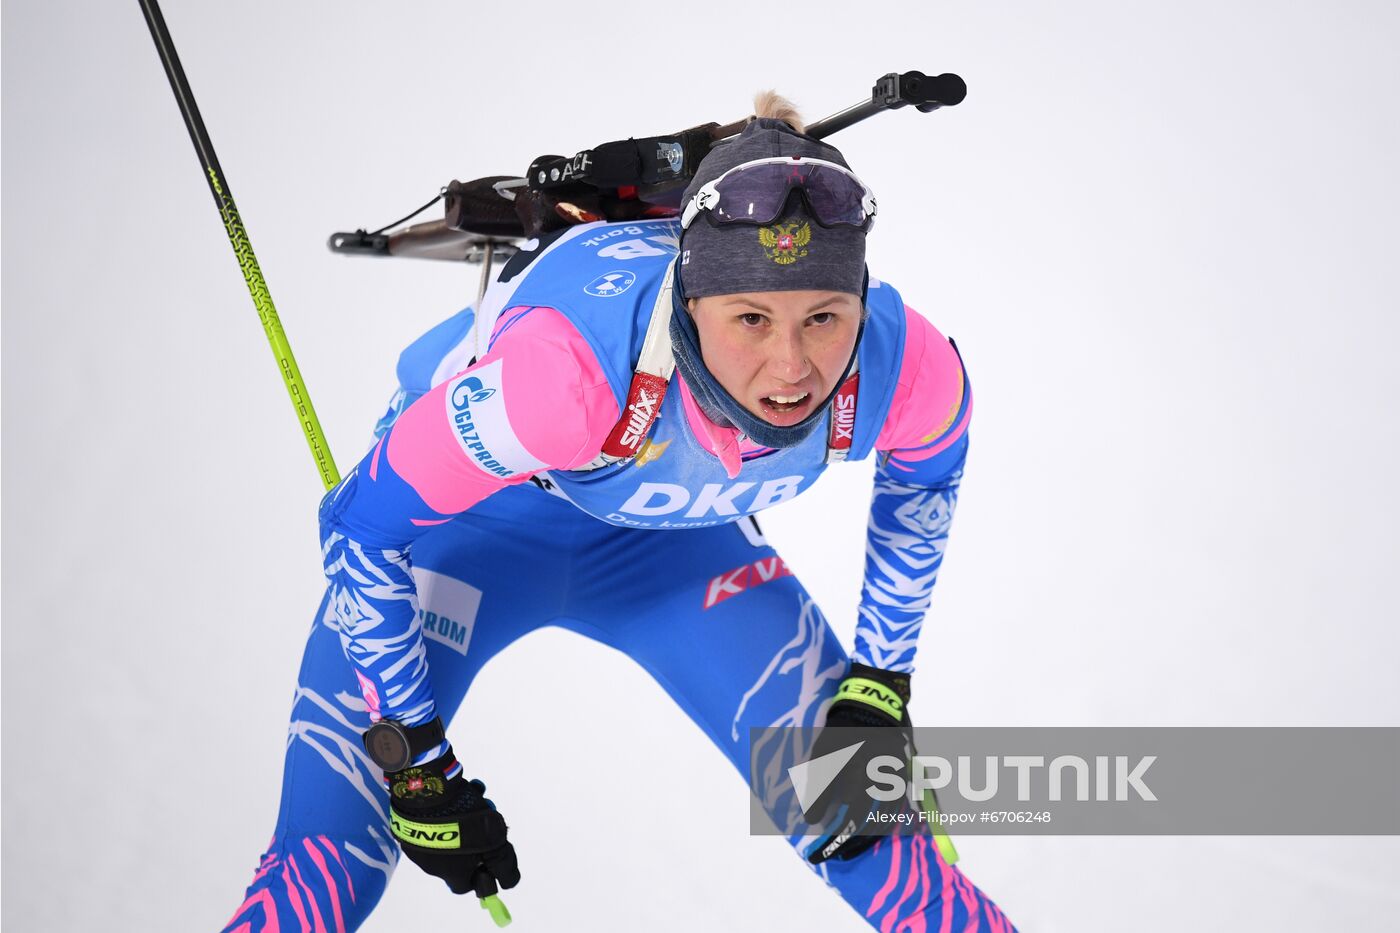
[(424, 737)]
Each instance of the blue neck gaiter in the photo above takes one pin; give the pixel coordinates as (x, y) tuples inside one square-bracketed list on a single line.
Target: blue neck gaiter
[(721, 407)]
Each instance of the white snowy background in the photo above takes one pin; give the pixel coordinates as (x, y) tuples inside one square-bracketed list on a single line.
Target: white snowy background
[(1164, 236)]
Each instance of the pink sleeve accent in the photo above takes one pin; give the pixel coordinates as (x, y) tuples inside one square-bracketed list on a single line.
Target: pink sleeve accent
[(558, 410), (928, 396)]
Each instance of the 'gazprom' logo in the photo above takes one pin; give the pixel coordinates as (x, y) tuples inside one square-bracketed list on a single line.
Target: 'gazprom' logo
[(476, 409), (475, 391), (447, 609), (460, 398)]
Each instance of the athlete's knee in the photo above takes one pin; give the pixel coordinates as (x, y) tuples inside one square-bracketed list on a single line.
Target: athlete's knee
[(904, 877), (316, 882)]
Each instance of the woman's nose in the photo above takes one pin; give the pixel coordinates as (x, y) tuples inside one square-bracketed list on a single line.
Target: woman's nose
[(789, 360)]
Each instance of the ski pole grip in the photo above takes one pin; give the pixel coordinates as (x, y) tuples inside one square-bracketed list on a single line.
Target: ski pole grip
[(484, 885)]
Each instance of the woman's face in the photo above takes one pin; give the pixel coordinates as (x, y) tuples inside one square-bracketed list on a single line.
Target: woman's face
[(778, 353)]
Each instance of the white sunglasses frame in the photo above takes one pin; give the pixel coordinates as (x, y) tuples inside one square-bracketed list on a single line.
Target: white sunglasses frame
[(707, 198)]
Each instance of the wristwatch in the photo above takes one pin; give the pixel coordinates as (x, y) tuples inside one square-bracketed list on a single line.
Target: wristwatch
[(393, 746)]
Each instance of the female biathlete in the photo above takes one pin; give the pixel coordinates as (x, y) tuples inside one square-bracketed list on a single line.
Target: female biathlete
[(646, 389)]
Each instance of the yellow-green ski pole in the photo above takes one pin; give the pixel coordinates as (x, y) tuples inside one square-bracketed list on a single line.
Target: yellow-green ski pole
[(488, 893), (242, 248), (940, 835), (262, 300)]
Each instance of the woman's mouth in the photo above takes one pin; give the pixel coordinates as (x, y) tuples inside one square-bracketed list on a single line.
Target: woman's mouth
[(785, 410)]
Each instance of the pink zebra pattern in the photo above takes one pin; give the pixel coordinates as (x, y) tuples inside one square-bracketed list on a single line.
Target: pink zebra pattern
[(258, 912)]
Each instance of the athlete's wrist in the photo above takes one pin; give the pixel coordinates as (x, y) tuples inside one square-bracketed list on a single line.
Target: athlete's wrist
[(871, 696), (426, 787)]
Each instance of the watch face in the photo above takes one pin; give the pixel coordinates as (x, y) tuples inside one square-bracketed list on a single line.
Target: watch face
[(388, 746)]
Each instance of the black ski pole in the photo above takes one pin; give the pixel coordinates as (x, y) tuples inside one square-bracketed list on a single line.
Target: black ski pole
[(242, 247)]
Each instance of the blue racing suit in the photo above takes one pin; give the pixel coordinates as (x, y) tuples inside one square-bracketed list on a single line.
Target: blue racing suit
[(484, 470)]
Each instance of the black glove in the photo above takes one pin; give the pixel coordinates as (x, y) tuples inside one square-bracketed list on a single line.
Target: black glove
[(449, 829), (869, 698)]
